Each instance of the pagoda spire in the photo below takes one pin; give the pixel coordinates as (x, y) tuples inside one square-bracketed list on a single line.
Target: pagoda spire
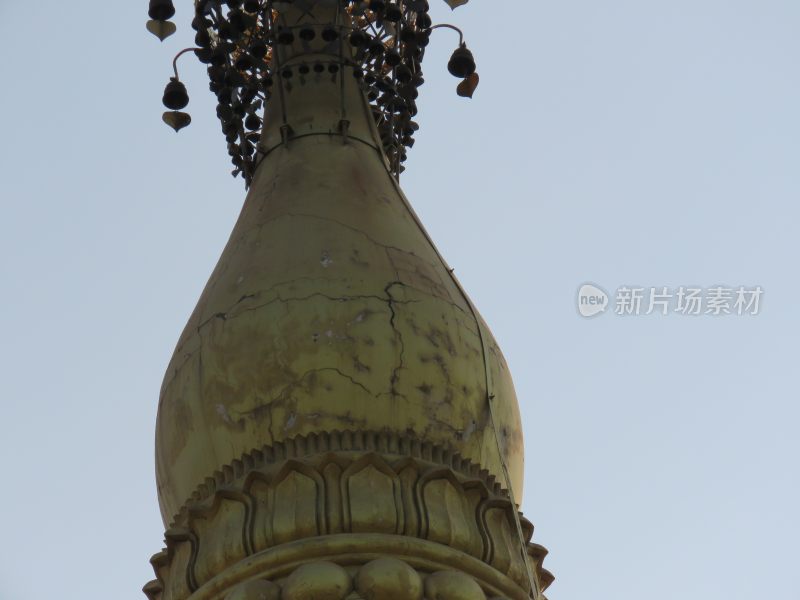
[(337, 420)]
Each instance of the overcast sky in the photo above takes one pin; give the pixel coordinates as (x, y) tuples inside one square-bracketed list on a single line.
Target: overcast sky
[(625, 143)]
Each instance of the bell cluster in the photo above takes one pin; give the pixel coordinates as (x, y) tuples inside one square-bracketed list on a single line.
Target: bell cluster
[(381, 43)]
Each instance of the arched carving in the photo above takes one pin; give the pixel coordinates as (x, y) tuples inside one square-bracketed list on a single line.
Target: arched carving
[(297, 503), (221, 528), (448, 515), (371, 497)]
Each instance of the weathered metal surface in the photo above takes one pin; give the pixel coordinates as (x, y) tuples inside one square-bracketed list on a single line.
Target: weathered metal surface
[(329, 309)]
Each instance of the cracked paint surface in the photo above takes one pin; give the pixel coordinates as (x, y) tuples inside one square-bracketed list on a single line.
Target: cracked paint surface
[(329, 309)]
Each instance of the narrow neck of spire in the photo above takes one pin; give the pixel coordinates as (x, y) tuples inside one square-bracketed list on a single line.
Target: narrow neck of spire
[(316, 87)]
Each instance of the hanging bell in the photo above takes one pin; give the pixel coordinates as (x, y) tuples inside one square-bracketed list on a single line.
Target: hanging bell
[(216, 74), (393, 13), (224, 113), (161, 10), (202, 38), (161, 29), (233, 78), (358, 38), (408, 36), (461, 63), (204, 55), (307, 34), (377, 6), (409, 92), (241, 21), (259, 48), (376, 47), (467, 87), (251, 6), (403, 73), (252, 122), (393, 58), (175, 95)]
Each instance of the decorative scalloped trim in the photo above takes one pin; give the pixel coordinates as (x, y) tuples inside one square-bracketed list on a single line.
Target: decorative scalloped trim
[(385, 442), (407, 448)]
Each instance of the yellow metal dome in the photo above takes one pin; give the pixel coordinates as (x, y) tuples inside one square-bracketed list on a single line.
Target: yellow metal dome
[(330, 309)]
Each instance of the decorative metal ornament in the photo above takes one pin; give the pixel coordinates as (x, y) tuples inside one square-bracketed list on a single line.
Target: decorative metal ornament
[(245, 42), (176, 119), (161, 29), (467, 87)]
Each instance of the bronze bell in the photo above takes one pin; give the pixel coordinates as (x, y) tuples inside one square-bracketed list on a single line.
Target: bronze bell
[(376, 47), (252, 122), (225, 114), (244, 62), (175, 95), (461, 63), (259, 48), (403, 73), (204, 55), (161, 10), (307, 34), (393, 58), (408, 36), (393, 12), (216, 74), (358, 38)]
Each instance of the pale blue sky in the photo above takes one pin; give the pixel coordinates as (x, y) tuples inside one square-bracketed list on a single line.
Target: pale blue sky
[(619, 142)]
